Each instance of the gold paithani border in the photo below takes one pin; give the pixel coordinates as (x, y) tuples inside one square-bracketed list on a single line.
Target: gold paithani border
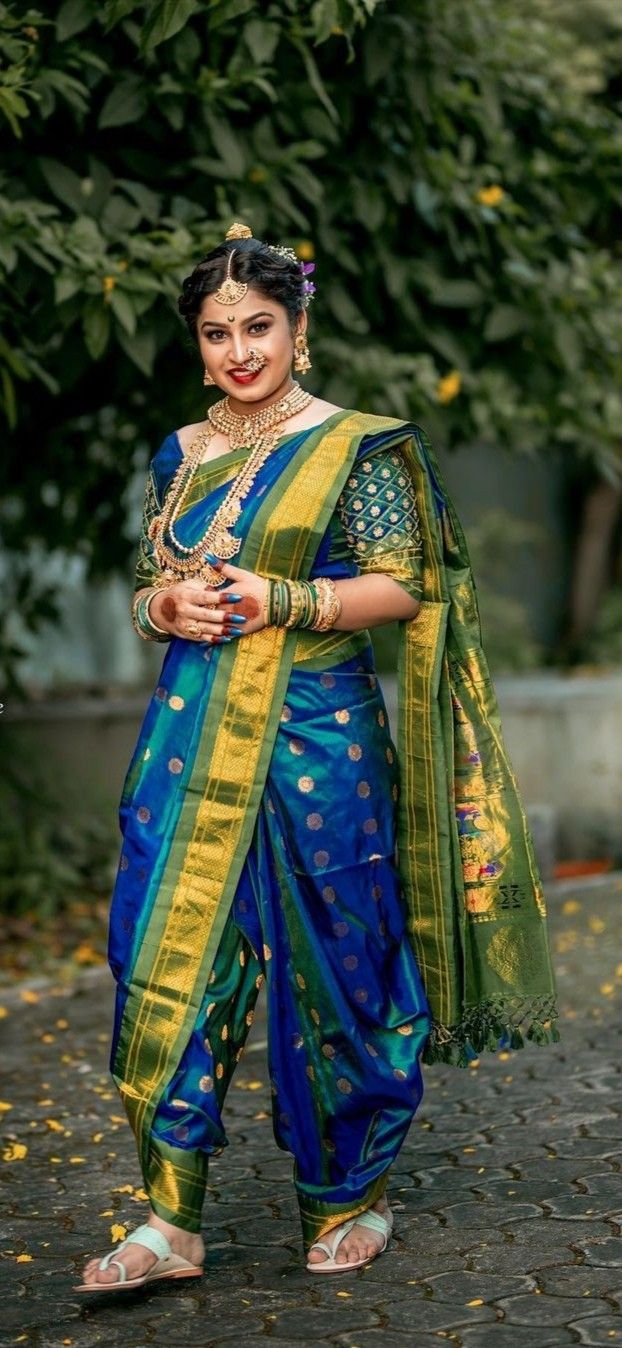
[(176, 954), (320, 1218)]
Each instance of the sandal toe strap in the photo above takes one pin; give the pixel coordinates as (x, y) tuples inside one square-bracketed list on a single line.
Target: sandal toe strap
[(338, 1233), (376, 1221)]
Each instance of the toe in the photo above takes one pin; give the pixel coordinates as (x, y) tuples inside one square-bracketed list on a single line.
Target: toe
[(316, 1257)]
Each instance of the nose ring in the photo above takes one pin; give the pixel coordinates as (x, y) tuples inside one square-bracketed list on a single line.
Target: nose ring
[(256, 360)]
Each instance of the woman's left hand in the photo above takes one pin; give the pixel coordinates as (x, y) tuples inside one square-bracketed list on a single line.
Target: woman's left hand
[(254, 590)]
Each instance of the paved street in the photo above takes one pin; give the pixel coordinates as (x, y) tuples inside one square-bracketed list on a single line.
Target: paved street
[(508, 1195)]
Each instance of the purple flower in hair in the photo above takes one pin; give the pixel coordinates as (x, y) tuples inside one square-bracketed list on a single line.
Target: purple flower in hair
[(308, 288)]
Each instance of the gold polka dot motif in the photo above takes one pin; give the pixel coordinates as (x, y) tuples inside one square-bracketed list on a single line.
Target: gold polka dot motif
[(306, 784), (342, 716), (355, 752), (143, 814), (314, 821), (206, 1083), (175, 765), (296, 747), (176, 703)]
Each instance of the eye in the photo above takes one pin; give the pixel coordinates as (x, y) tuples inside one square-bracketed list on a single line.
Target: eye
[(259, 326), (214, 334)]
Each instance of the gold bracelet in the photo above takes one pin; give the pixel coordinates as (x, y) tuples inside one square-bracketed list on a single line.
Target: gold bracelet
[(329, 606)]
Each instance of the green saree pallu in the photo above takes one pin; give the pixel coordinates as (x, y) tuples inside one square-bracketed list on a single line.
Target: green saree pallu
[(386, 893)]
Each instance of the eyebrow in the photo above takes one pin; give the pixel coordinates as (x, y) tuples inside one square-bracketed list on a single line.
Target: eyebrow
[(263, 313)]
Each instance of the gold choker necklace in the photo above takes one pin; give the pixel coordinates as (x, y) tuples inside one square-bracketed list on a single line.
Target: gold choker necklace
[(246, 429), (260, 431)]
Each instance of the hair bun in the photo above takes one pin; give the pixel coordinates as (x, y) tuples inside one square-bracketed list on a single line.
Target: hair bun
[(239, 231)]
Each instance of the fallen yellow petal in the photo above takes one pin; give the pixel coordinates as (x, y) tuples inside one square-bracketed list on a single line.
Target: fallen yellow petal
[(4, 1011), (117, 1118), (24, 1259), (27, 995), (571, 906), (15, 1151), (4, 1106), (607, 989), (344, 1294), (54, 1125), (140, 1196), (96, 1137), (118, 1232), (477, 1301), (123, 1189), (108, 1212), (77, 1160), (62, 1024), (48, 1038), (55, 1160)]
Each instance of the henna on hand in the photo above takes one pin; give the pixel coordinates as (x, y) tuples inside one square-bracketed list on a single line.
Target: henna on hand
[(168, 608), (248, 606)]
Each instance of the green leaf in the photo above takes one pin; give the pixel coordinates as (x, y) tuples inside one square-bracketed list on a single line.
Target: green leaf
[(65, 184), (457, 294), (569, 346), (96, 328), (126, 102), (228, 145), (73, 16), (315, 79), (504, 321), (65, 286), (223, 11), (324, 17), (123, 310), (141, 348), (148, 202), (166, 19), (262, 40), (345, 310), (117, 10)]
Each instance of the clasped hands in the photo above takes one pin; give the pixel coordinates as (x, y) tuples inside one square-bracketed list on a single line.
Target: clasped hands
[(219, 615)]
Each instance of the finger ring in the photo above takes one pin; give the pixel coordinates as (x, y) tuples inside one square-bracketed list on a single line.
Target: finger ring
[(192, 627)]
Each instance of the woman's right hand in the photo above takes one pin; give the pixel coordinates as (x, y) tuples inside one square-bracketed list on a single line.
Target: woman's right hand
[(192, 601)]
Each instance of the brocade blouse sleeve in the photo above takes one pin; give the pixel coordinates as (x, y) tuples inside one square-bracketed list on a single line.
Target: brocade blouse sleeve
[(378, 511), (146, 569)]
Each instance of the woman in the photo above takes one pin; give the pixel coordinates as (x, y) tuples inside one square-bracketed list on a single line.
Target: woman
[(273, 832)]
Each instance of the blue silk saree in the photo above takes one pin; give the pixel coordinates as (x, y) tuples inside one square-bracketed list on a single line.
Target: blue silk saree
[(386, 892)]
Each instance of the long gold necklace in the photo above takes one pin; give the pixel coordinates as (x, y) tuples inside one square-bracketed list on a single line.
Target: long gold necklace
[(260, 431)]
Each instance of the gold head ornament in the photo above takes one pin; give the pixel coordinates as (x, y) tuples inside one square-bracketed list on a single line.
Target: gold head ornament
[(231, 292)]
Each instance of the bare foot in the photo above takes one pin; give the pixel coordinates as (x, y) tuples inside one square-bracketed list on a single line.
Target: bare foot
[(360, 1242), (138, 1259)]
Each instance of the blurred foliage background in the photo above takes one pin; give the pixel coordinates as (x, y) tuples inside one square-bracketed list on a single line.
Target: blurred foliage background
[(454, 167)]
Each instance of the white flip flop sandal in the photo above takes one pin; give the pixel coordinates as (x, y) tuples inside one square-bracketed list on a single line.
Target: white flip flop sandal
[(168, 1265), (382, 1222)]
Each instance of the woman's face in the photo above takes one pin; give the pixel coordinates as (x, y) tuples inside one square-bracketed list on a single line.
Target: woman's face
[(227, 331)]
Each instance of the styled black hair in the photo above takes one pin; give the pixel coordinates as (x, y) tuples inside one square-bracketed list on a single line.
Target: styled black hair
[(278, 278)]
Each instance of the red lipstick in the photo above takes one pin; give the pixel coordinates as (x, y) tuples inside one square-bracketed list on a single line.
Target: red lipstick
[(243, 376)]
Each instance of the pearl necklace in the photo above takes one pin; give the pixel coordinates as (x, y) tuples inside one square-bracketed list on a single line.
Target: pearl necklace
[(261, 430)]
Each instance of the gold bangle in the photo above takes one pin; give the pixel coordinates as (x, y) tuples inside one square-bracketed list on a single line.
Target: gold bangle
[(329, 606)]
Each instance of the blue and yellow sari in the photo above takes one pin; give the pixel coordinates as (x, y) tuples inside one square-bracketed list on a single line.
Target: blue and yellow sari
[(386, 893)]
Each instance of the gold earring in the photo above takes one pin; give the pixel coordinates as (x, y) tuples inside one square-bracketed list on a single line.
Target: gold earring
[(207, 378), (302, 362)]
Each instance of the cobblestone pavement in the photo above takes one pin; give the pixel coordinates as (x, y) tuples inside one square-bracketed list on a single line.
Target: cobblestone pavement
[(508, 1194)]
